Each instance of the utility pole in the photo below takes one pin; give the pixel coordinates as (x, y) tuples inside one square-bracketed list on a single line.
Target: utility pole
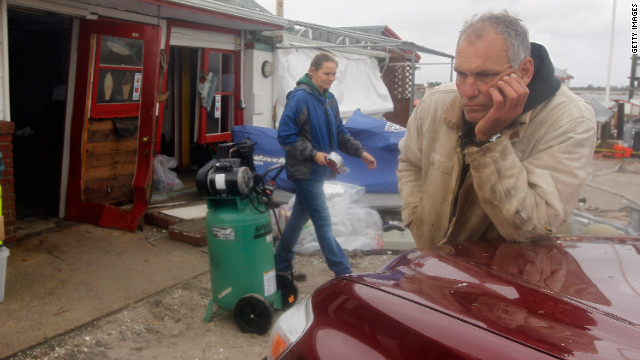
[(634, 76), (280, 8), (613, 27)]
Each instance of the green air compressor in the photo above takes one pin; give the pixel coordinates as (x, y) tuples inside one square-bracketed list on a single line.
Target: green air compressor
[(240, 245)]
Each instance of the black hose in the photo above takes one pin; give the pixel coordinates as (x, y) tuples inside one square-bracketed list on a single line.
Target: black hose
[(284, 243), (280, 168)]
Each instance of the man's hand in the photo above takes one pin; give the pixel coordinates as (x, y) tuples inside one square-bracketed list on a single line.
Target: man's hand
[(368, 159), (509, 97)]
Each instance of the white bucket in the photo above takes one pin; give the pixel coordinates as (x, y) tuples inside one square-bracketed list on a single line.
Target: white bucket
[(4, 253)]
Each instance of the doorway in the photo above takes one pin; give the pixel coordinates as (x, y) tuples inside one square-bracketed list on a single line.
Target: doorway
[(38, 65), (191, 130)]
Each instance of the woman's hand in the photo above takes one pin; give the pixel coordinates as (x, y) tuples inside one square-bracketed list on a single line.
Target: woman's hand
[(368, 159), (321, 158)]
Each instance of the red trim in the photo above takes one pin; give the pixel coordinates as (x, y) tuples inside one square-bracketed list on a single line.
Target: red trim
[(215, 138), (104, 215), (238, 114), (212, 13), (160, 120), (238, 86), (101, 111)]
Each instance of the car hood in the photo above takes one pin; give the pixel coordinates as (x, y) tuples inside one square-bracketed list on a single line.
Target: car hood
[(567, 296)]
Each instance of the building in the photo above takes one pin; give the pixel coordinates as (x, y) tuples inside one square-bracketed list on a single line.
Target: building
[(563, 76), (93, 90)]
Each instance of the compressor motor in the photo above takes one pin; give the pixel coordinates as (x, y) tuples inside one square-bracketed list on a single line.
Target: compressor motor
[(225, 178), (231, 174)]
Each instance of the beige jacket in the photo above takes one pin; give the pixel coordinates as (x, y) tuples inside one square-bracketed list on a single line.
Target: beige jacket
[(521, 186)]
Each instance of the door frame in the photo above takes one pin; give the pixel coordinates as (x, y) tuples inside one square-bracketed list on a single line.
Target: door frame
[(203, 37), (203, 136), (100, 214)]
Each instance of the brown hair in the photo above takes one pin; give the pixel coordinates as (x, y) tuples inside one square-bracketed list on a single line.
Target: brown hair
[(320, 59)]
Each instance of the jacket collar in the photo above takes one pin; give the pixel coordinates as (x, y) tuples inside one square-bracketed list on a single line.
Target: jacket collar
[(543, 84), (453, 114), (306, 80)]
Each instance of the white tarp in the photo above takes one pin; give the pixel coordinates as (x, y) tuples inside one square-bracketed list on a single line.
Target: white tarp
[(358, 83)]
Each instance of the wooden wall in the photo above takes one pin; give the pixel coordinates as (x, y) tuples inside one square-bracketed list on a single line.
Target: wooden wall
[(109, 163)]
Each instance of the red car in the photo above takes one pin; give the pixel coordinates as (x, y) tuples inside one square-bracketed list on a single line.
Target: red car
[(555, 298)]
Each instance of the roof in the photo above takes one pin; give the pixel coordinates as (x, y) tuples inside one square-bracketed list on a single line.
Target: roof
[(224, 13), (562, 74), (346, 37), (380, 30), (602, 112), (246, 4), (231, 14)]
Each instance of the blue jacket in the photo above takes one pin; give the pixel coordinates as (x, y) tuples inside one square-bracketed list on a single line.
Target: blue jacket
[(310, 123)]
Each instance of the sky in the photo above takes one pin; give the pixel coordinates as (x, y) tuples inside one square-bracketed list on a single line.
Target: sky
[(576, 33)]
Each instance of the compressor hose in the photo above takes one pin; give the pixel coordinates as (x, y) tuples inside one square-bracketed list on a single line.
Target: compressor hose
[(263, 190)]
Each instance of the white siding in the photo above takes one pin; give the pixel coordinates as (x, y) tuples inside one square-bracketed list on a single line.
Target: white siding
[(4, 64), (202, 39)]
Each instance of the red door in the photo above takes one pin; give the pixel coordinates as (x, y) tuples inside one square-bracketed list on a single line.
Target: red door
[(114, 114), (219, 96)]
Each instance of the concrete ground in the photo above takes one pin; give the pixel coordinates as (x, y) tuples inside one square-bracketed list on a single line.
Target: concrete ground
[(76, 291), (76, 273)]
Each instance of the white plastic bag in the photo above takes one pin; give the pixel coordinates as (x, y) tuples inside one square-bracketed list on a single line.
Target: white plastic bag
[(354, 226), (163, 178)]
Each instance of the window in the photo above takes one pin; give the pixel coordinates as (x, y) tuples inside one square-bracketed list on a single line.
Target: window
[(217, 96), (118, 76)]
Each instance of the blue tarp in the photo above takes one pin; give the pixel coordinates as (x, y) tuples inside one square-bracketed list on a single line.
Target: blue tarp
[(379, 137)]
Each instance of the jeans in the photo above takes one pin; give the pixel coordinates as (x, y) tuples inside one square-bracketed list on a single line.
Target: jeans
[(311, 203)]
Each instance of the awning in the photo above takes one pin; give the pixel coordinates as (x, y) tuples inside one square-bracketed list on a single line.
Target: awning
[(149, 11)]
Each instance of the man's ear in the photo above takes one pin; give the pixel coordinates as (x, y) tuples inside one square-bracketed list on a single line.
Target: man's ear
[(526, 70)]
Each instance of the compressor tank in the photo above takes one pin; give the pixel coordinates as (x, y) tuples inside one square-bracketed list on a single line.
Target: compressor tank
[(241, 251)]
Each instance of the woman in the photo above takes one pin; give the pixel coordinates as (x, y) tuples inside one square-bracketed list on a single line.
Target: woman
[(311, 128)]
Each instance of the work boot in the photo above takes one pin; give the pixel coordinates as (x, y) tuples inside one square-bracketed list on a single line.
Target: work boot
[(297, 276)]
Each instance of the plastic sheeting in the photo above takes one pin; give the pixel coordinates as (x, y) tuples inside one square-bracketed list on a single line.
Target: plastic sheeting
[(602, 112), (358, 83), (379, 137), (354, 226)]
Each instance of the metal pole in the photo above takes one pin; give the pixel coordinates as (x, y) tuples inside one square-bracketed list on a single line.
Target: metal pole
[(413, 79), (596, 219), (632, 81), (607, 94), (451, 71)]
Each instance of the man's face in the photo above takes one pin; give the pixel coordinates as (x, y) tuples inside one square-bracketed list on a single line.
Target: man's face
[(480, 64)]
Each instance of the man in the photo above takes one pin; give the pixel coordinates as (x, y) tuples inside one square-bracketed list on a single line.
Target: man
[(503, 155)]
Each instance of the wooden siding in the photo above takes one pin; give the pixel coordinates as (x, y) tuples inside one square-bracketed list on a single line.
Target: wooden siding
[(110, 164)]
